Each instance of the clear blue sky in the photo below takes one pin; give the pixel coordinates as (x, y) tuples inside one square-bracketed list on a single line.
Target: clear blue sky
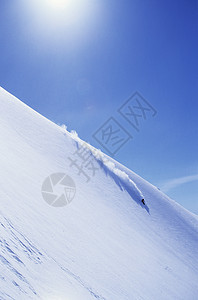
[(77, 64)]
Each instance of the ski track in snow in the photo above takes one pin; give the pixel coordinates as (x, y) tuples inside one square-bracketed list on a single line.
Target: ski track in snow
[(123, 181), (13, 244), (18, 243)]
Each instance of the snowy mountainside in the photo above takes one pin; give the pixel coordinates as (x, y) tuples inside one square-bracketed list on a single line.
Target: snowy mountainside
[(105, 244)]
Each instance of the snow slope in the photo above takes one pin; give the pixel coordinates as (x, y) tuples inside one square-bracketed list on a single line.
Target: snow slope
[(105, 244)]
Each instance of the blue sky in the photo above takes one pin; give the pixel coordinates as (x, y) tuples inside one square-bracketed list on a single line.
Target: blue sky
[(78, 63)]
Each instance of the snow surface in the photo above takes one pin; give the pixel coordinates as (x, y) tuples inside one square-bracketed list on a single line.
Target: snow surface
[(105, 244)]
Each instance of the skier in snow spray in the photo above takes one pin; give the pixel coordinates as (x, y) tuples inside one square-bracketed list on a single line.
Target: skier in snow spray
[(112, 167)]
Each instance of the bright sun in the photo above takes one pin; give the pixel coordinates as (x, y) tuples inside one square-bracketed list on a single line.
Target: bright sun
[(59, 4), (61, 21)]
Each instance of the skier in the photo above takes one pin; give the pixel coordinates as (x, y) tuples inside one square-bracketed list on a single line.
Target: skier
[(143, 201)]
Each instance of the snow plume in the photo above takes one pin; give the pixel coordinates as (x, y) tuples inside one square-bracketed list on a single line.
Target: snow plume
[(99, 156), (123, 177), (64, 127), (74, 134)]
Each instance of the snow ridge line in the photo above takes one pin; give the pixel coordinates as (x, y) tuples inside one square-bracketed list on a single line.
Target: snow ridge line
[(101, 157)]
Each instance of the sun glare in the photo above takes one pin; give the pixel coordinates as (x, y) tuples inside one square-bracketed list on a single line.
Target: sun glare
[(59, 4), (61, 21)]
